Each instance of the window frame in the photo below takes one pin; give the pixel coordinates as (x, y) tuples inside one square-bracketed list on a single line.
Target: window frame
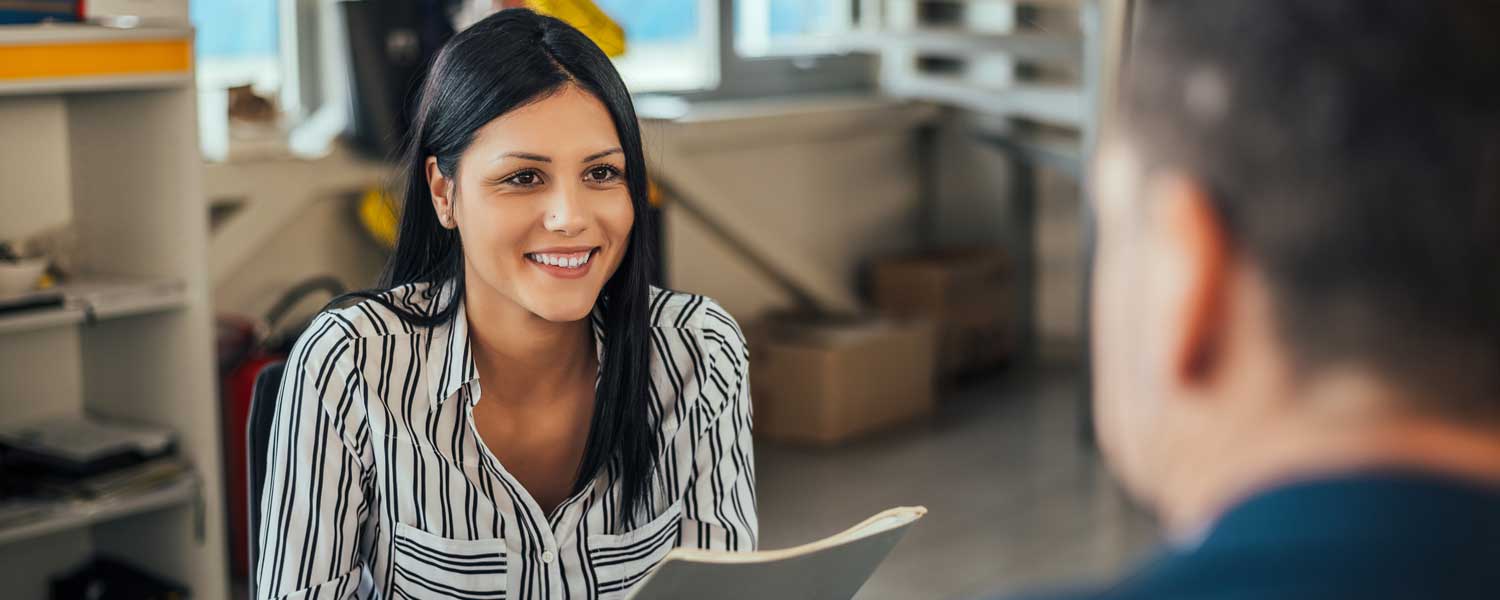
[(793, 45), (817, 71), (711, 72), (814, 66)]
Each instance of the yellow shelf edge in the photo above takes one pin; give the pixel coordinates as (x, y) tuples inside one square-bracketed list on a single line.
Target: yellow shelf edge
[(94, 59)]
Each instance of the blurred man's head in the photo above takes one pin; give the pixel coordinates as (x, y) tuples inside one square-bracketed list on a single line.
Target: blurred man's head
[(1299, 251)]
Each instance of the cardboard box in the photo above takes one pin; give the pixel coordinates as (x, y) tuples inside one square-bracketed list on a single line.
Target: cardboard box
[(824, 381), (969, 293)]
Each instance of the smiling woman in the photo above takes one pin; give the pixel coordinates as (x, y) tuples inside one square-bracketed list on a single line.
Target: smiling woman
[(515, 412), (544, 196)]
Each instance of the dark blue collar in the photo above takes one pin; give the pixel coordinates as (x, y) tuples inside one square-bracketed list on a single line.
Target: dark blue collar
[(1371, 505)]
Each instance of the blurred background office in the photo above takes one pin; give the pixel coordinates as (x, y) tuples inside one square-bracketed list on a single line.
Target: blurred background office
[(887, 193)]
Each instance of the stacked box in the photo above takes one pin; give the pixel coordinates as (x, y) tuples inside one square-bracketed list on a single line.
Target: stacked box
[(828, 380), (968, 293)]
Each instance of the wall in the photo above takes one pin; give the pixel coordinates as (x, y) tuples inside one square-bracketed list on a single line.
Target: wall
[(285, 220), (822, 184), (324, 239)]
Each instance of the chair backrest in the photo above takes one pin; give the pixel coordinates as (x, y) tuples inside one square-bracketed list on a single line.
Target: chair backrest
[(257, 439)]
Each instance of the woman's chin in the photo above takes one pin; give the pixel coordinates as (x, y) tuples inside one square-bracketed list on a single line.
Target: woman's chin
[(563, 310)]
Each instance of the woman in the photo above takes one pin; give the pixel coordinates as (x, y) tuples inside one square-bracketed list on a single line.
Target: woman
[(519, 414)]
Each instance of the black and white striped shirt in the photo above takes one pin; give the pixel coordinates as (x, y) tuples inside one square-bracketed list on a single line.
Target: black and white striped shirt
[(377, 484)]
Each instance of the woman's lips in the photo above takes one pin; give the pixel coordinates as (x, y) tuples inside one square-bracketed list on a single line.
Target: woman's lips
[(564, 263)]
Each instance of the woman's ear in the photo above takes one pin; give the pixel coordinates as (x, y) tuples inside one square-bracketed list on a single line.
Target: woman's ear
[(441, 188)]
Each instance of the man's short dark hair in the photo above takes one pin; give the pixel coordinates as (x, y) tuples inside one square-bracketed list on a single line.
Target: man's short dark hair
[(1352, 149)]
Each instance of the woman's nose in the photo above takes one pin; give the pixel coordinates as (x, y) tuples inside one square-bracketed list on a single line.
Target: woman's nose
[(565, 213)]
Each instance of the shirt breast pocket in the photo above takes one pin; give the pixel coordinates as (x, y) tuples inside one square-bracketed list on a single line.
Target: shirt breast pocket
[(621, 561), (426, 566)]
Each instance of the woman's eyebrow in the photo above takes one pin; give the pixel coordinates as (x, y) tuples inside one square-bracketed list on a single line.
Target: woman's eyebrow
[(526, 156), (598, 155)]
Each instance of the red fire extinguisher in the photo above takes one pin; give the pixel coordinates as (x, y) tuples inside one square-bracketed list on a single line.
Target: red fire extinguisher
[(246, 347)]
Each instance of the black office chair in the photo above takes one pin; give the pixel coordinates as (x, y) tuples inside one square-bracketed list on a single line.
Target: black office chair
[(257, 439)]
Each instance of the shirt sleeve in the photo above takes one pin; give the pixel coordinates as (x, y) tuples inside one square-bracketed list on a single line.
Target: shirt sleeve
[(721, 512), (314, 504)]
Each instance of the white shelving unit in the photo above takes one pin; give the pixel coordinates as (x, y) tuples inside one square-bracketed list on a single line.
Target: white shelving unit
[(100, 133), (76, 515), (95, 298), (979, 55)]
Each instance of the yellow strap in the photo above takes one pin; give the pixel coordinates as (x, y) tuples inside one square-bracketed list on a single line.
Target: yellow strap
[(36, 61)]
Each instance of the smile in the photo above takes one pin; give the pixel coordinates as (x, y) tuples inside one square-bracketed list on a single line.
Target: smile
[(564, 264)]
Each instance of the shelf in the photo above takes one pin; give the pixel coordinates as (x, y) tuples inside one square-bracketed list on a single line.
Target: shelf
[(99, 298), (724, 124), (109, 117), (72, 57), (1054, 105), (58, 33), (83, 513)]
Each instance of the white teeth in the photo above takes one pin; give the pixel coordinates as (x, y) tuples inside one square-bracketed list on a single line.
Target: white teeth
[(562, 261)]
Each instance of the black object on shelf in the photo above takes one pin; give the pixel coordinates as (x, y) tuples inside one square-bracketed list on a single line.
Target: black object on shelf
[(70, 449), (391, 44), (30, 301), (104, 578)]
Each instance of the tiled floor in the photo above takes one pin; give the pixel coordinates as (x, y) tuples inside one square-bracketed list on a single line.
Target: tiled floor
[(1015, 500)]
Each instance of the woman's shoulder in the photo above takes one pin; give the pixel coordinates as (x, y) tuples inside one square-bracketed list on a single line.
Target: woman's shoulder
[(371, 316), (376, 314), (722, 353), (700, 314), (681, 310)]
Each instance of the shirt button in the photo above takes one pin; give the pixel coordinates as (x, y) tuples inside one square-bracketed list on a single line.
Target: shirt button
[(548, 557)]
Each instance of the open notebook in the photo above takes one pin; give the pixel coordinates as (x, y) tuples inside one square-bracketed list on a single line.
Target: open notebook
[(831, 568)]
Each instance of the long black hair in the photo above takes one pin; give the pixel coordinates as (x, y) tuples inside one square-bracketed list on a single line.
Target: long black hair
[(504, 62)]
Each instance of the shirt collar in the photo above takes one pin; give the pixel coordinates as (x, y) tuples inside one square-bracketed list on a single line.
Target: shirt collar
[(450, 358), (450, 363), (1385, 501)]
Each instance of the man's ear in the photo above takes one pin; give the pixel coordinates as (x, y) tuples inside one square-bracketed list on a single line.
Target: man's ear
[(441, 189), (1195, 234)]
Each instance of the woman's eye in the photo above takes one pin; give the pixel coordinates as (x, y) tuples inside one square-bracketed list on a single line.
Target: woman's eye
[(602, 174), (524, 179)]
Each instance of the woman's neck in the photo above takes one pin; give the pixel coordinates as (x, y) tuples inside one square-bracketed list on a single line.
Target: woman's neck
[(534, 359)]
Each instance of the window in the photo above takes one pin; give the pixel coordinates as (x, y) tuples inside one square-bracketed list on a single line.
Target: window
[(671, 45), (236, 44), (782, 27)]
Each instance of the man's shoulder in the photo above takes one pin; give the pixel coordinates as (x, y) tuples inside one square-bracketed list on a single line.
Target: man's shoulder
[(1294, 575), (1058, 594), (1373, 536)]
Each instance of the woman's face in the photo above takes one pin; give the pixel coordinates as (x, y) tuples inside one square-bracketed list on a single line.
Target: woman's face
[(541, 204)]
